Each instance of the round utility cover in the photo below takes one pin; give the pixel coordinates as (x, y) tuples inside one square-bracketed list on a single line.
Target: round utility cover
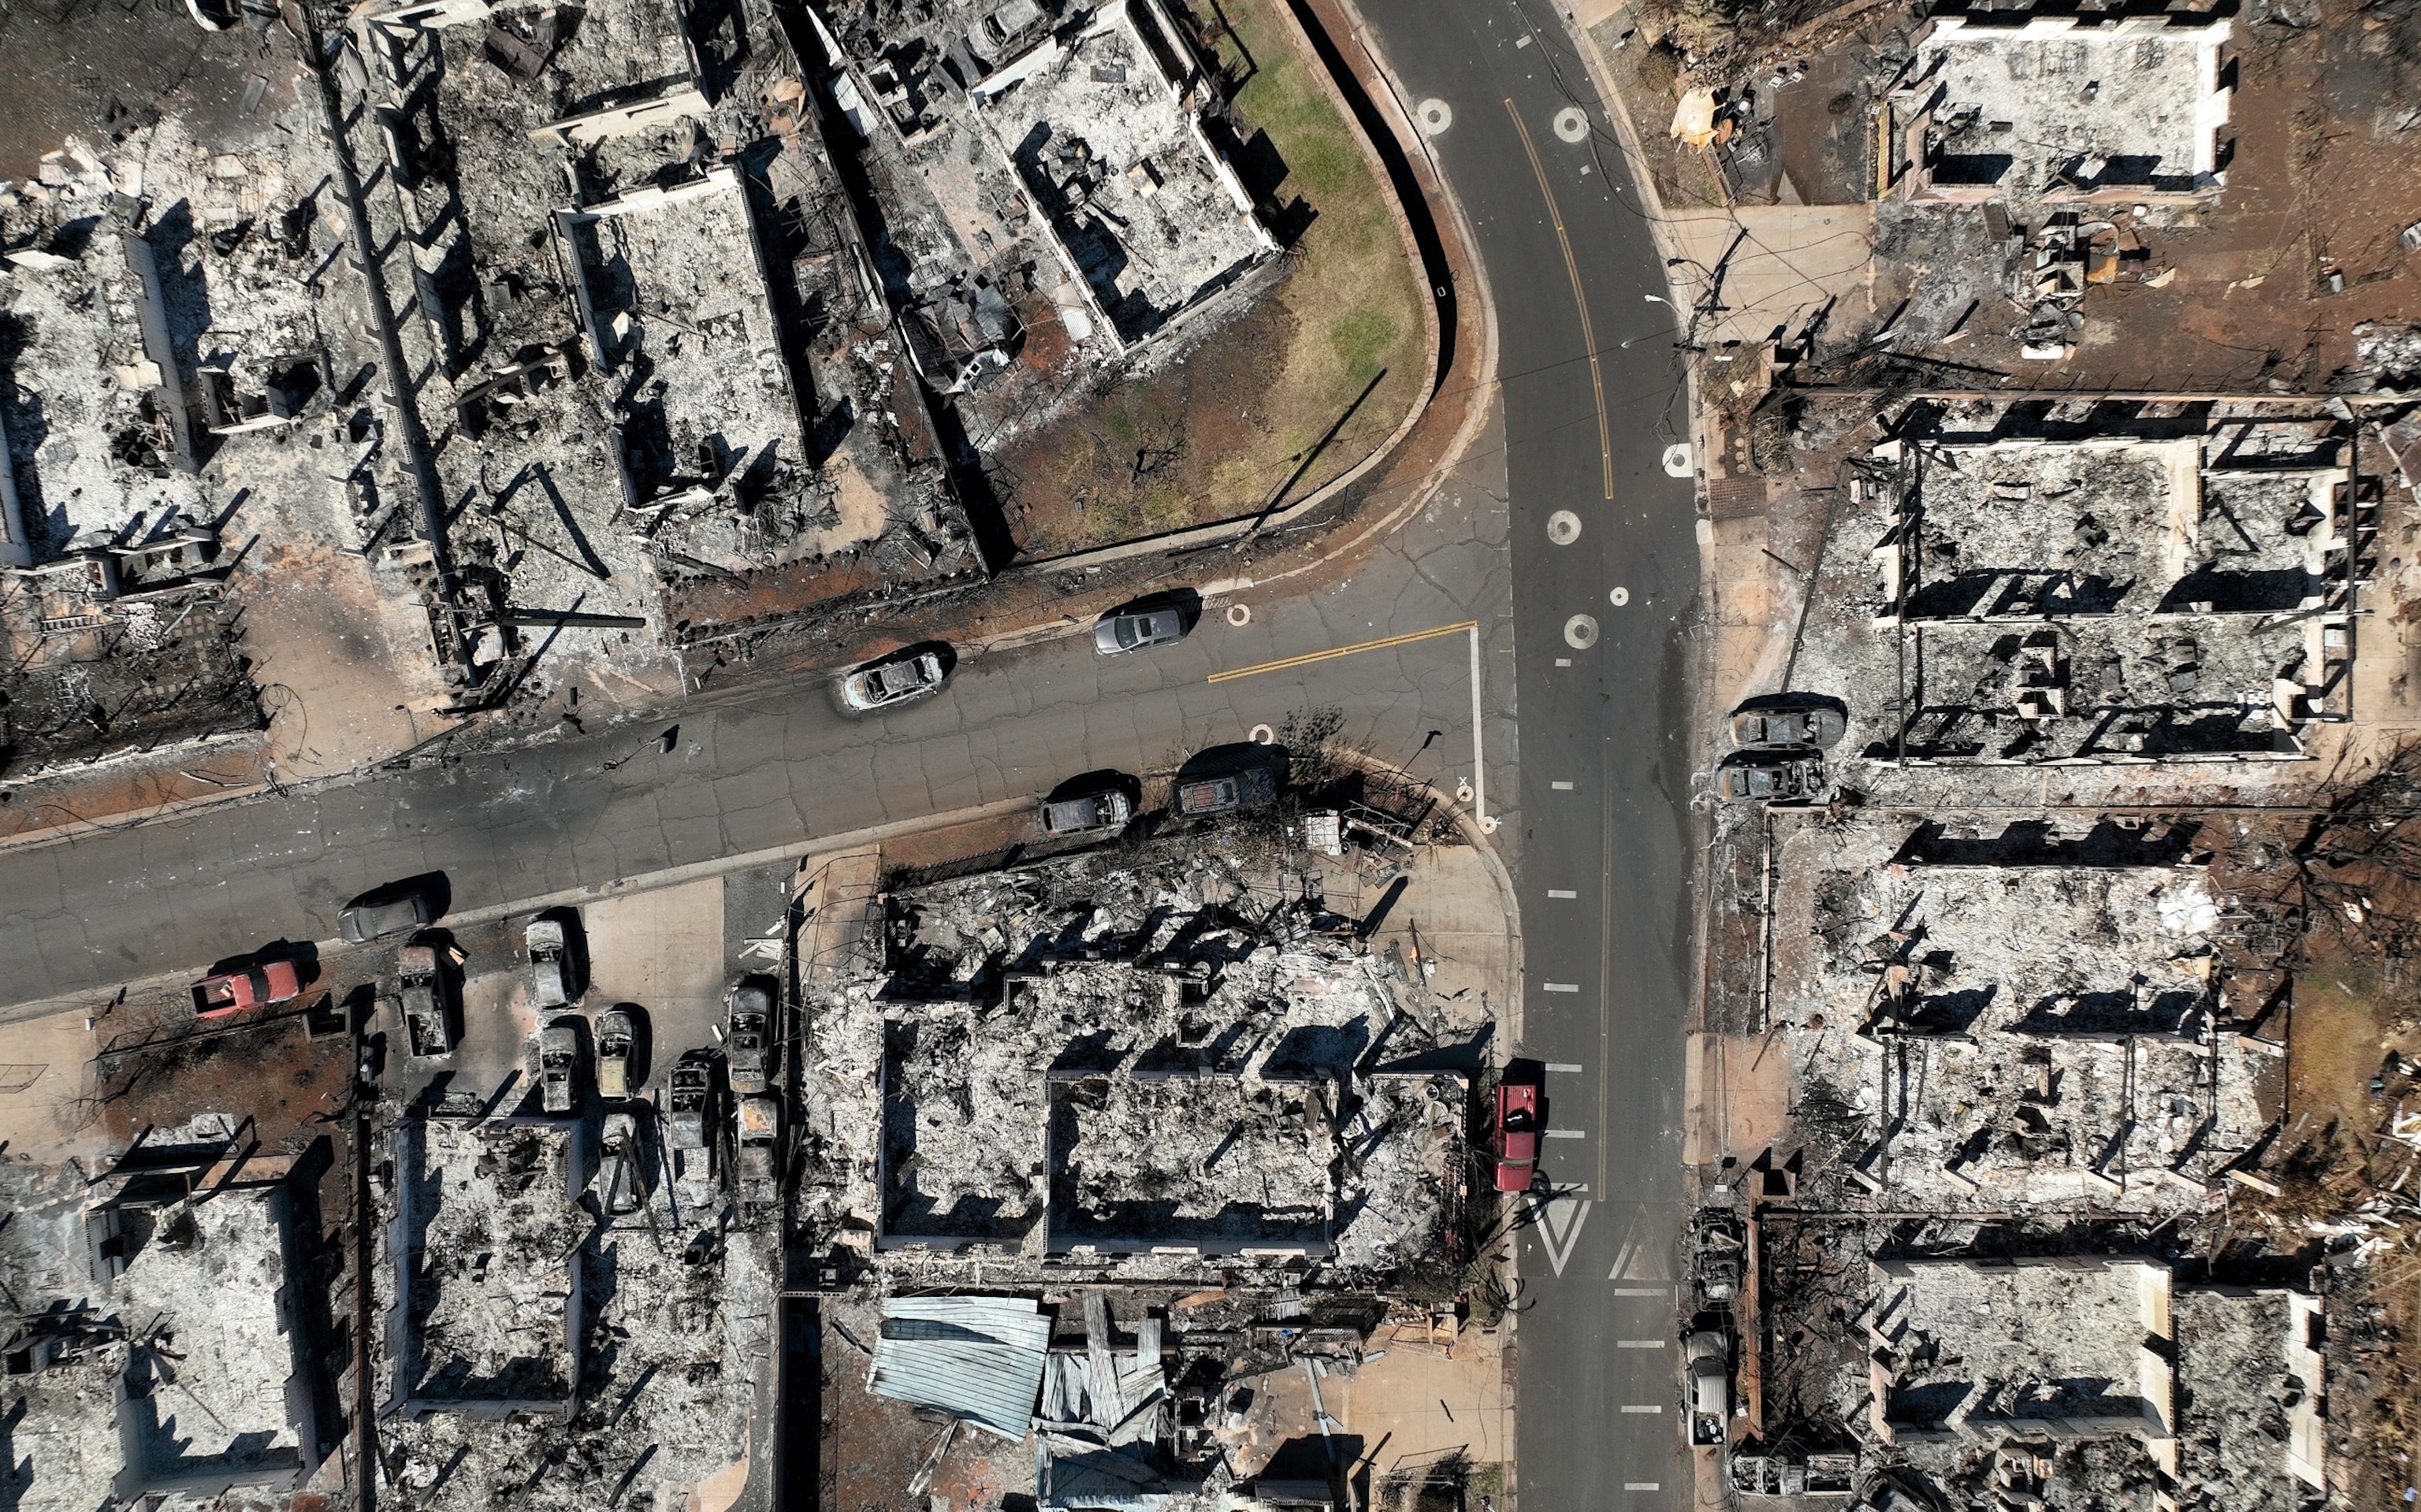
[(1434, 116), (1563, 527), (1619, 597), (1239, 614), (1580, 632), (1263, 734), (1571, 124), (1677, 461)]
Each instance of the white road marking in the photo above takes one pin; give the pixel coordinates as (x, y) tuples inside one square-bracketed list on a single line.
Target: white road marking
[(1638, 1407), (1563, 987), (1561, 662), (1642, 1255), (1564, 1066), (1640, 1485), (1642, 1291), (1561, 786), (1640, 1344), (1580, 632), (1567, 1134), (1559, 1245), (1561, 892), (1434, 116), (1520, 42), (1571, 124)]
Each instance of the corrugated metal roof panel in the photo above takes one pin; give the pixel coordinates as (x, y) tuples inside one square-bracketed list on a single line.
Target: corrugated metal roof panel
[(976, 1358)]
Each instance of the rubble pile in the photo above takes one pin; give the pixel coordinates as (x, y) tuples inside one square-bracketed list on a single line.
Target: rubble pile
[(2052, 585), (1121, 1063), (156, 1345), (1055, 200), (547, 1353), (489, 1246), (2023, 1027)]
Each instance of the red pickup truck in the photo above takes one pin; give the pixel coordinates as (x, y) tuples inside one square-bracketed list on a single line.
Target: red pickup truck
[(254, 987)]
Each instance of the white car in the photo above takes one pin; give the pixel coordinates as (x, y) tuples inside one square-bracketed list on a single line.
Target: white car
[(895, 679)]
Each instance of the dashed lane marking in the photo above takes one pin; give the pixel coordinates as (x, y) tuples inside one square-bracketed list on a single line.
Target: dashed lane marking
[(1563, 987), (1642, 1407), (1561, 786), (1573, 1066), (1640, 1344), (1561, 892), (1567, 1134)]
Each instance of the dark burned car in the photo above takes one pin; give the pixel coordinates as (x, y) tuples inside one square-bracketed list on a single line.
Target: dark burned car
[(1778, 777)]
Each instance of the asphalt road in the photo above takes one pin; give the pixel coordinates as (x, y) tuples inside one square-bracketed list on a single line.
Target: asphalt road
[(777, 766), (1595, 822), (1603, 872)]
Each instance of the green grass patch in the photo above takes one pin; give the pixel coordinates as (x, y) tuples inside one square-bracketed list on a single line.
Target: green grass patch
[(1214, 437)]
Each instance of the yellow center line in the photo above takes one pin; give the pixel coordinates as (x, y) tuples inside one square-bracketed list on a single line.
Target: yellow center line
[(1305, 660), (1572, 267)]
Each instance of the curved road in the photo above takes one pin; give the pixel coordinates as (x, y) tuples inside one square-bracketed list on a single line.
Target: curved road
[(1594, 820), (1603, 872)]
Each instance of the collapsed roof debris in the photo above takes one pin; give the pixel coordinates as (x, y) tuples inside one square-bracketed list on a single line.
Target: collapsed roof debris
[(487, 1245), (980, 1358), (1113, 1063), (982, 123), (2032, 107), (2041, 586), (1999, 1370), (1149, 218), (1988, 1019), (157, 1348), (2195, 603)]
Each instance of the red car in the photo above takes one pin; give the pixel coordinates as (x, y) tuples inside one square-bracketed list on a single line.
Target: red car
[(1517, 1136), (272, 981)]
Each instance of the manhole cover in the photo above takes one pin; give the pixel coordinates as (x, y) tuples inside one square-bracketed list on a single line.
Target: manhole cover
[(1563, 527), (1571, 124), (1239, 614), (1620, 597), (1580, 632), (1435, 115)]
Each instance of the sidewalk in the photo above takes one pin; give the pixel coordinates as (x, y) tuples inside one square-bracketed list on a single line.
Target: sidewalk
[(1314, 540)]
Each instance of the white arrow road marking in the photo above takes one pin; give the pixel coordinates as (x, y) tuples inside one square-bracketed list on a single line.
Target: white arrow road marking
[(1559, 1219)]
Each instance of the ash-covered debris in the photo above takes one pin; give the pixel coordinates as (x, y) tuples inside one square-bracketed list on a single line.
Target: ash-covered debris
[(661, 311), (1981, 1017), (539, 1351), (1100, 1060), (2011, 104), (1057, 187), (156, 1344), (2133, 595)]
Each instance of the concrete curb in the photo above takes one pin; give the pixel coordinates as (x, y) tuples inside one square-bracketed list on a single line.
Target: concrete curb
[(1475, 298), (1223, 531), (570, 896)]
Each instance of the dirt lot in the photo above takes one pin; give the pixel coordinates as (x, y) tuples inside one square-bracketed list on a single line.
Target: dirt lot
[(1215, 428), (2263, 285)]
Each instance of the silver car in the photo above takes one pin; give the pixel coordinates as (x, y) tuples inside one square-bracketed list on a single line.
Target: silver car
[(1106, 810), (894, 680), (1137, 630)]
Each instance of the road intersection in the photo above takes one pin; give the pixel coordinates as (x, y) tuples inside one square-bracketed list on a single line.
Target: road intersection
[(1559, 546)]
